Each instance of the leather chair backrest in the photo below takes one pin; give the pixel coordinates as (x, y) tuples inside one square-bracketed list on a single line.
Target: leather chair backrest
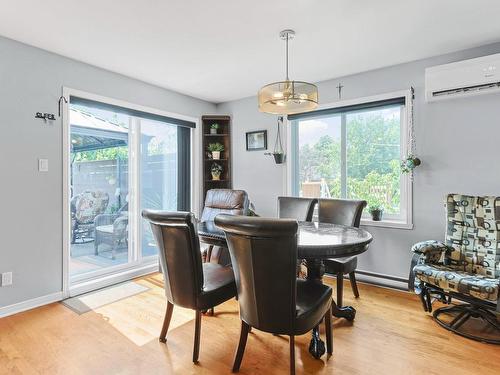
[(264, 258), (179, 252), (473, 230), (301, 209), (224, 201), (341, 211)]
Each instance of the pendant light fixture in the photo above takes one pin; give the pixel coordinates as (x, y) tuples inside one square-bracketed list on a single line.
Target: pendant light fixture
[(287, 97)]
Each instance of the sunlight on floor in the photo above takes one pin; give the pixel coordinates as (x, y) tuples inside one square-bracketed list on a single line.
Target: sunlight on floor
[(138, 317)]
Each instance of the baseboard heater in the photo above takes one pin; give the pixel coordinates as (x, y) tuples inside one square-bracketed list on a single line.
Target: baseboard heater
[(379, 279)]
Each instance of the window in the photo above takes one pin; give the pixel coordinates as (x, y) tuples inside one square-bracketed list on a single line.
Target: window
[(353, 151)]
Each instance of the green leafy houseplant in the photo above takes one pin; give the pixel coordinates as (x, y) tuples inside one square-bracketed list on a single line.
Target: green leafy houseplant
[(215, 149), (410, 163), (376, 209), (216, 170), (214, 128)]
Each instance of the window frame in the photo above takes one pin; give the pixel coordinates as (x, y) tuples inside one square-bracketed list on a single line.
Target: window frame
[(405, 220), (150, 264)]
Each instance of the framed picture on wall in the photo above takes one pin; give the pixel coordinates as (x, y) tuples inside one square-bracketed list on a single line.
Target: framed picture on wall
[(257, 140)]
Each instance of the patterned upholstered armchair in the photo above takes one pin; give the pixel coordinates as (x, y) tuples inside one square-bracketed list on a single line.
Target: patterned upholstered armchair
[(465, 267)]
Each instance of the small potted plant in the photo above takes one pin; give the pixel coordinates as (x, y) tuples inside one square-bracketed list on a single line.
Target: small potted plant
[(215, 149), (214, 128), (376, 210), (216, 171), (410, 163), (279, 157)]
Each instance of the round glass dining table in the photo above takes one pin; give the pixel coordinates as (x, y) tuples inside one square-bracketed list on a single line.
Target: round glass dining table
[(316, 242)]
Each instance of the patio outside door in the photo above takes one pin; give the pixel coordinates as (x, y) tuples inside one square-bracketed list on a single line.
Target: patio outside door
[(120, 162)]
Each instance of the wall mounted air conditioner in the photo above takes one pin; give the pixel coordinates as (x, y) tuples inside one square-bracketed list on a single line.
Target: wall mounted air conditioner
[(463, 78)]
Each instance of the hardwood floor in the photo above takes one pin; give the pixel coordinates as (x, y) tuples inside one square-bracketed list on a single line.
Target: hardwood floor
[(391, 335)]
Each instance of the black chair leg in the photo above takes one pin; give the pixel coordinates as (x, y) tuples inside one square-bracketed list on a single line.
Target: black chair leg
[(245, 328), (166, 322), (328, 330), (197, 329), (292, 355), (354, 286), (209, 253), (340, 288)]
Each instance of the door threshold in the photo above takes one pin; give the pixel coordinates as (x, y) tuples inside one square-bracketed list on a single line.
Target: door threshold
[(102, 282)]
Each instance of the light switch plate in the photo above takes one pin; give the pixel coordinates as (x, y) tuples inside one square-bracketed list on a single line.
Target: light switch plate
[(43, 165), (6, 278)]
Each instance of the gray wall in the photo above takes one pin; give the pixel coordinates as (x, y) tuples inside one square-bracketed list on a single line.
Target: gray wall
[(456, 139), (31, 80)]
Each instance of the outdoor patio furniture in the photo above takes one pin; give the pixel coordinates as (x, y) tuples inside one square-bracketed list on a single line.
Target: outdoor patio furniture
[(84, 209), (112, 229)]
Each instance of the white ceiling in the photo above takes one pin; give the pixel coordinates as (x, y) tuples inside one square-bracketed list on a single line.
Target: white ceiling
[(221, 50)]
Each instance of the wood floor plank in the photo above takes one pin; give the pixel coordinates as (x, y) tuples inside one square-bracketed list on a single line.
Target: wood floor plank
[(391, 335)]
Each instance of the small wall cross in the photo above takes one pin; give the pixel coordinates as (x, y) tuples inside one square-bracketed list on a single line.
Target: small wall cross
[(340, 87)]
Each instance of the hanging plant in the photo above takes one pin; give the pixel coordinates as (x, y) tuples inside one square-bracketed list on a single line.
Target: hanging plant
[(278, 153), (411, 161), (409, 164)]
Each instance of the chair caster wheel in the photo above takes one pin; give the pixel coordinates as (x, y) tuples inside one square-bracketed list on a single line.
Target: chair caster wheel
[(162, 340)]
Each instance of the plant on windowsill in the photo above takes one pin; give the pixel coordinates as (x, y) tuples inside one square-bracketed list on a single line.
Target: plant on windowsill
[(216, 171), (376, 209), (214, 128), (215, 149)]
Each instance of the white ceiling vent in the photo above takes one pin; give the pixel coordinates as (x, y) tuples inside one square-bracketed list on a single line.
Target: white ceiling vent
[(463, 78)]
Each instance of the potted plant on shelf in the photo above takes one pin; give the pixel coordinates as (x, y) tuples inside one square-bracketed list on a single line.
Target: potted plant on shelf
[(215, 149), (216, 171), (214, 128), (376, 209)]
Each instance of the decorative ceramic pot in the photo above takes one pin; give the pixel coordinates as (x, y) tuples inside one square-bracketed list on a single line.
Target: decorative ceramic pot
[(213, 131), (215, 176), (377, 215), (216, 155)]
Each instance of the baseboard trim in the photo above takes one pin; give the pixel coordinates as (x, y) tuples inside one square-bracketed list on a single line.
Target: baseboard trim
[(81, 288), (30, 304), (383, 280)]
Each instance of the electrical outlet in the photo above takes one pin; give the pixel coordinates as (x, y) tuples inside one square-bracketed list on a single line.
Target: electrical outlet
[(6, 278)]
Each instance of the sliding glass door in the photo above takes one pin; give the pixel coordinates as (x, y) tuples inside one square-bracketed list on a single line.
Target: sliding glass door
[(121, 161)]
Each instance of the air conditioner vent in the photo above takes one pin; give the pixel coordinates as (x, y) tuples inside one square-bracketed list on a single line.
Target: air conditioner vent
[(466, 90), (464, 78)]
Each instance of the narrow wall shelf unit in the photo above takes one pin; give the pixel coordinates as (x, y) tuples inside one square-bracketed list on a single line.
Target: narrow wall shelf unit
[(223, 137)]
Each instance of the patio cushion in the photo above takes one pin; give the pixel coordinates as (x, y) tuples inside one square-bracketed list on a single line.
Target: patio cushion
[(105, 228), (448, 279)]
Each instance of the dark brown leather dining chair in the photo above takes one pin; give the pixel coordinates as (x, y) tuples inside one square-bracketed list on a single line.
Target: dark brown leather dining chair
[(189, 283), (271, 298), (343, 212), (223, 201), (301, 209)]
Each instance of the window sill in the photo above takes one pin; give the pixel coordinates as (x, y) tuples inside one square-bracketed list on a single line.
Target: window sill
[(387, 223)]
